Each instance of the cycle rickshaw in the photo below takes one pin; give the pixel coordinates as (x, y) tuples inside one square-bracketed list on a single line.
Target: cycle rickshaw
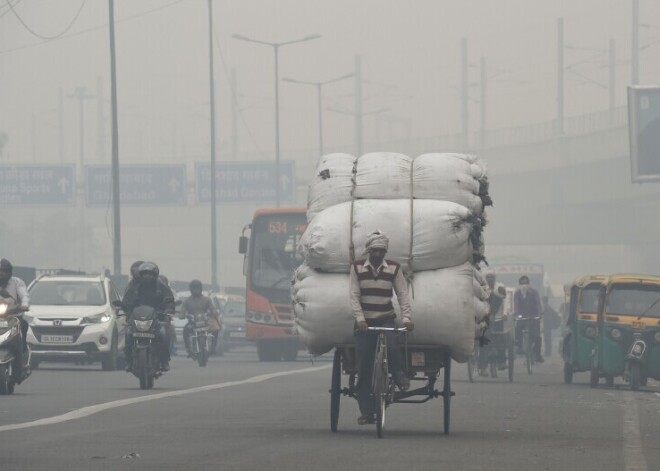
[(423, 363)]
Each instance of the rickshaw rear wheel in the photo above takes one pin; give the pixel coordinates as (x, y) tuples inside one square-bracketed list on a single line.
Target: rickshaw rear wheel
[(335, 390), (446, 392), (568, 373), (470, 368), (635, 376), (511, 358), (593, 378)]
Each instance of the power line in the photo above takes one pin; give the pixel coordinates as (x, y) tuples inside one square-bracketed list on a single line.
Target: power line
[(41, 36), (7, 10), (95, 28)]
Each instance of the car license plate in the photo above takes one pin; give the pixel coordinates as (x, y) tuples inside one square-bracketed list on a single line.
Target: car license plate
[(240, 335), (145, 335), (57, 339), (4, 323), (417, 359)]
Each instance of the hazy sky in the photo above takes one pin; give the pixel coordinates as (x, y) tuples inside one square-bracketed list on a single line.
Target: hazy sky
[(410, 54)]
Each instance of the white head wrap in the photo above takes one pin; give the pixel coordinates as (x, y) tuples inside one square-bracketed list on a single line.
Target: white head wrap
[(376, 240)]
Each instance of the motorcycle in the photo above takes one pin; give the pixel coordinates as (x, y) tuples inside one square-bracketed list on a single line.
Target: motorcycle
[(11, 343), (143, 332), (200, 337)]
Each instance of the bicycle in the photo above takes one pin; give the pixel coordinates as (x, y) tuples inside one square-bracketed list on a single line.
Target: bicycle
[(530, 359), (382, 382)]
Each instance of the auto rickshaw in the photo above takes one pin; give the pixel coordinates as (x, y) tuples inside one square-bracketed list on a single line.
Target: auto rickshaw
[(578, 341), (628, 331)]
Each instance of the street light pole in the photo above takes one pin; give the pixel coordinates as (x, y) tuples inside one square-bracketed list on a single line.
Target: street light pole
[(276, 47), (319, 91), (115, 147), (214, 247)]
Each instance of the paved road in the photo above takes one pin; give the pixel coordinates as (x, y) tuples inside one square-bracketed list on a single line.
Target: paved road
[(242, 414)]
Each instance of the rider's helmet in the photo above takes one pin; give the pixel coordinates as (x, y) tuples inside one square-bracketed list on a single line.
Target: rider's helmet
[(148, 272), (135, 268), (6, 270), (195, 287)]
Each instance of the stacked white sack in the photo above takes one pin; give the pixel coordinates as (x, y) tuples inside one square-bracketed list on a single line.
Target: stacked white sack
[(458, 178), (444, 307), (440, 234)]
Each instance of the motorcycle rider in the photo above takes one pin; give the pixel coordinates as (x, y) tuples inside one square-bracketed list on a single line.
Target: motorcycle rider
[(147, 290), (19, 293), (195, 304)]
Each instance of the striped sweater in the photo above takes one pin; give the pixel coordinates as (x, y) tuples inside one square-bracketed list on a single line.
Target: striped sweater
[(372, 289)]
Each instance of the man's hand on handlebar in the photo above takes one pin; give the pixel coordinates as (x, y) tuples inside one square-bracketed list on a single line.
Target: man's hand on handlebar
[(408, 324), (362, 326)]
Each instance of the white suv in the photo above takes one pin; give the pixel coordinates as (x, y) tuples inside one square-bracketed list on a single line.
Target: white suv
[(72, 318)]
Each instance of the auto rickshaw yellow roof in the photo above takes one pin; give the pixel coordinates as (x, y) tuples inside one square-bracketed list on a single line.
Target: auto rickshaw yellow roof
[(586, 279), (632, 278)]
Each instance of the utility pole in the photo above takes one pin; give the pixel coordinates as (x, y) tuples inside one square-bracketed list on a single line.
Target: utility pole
[(116, 217), (358, 106), (612, 79), (81, 95), (560, 77), (635, 42), (214, 223), (234, 116), (482, 102), (465, 91), (100, 142)]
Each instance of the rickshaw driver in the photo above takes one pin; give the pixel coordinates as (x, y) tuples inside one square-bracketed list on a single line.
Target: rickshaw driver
[(372, 282)]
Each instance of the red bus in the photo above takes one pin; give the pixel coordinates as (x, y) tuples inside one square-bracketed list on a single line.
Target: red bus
[(271, 256)]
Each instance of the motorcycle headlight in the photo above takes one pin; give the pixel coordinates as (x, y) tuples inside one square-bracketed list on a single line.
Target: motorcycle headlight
[(616, 334), (143, 325), (657, 336), (3, 308), (97, 318)]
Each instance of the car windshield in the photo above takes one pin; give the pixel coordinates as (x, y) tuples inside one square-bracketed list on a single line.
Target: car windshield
[(234, 309), (589, 298), (67, 293), (634, 300)]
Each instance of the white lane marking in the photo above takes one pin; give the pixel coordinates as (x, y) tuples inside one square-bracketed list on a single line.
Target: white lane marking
[(95, 409), (633, 454)]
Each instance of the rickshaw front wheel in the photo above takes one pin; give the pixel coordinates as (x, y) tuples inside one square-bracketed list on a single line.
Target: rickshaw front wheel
[(635, 376), (568, 373), (593, 379)]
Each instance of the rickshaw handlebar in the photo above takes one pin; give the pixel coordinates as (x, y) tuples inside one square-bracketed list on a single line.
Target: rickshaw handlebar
[(388, 329), (521, 318)]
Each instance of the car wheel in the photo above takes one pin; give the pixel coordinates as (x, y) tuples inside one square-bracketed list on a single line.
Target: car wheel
[(109, 360)]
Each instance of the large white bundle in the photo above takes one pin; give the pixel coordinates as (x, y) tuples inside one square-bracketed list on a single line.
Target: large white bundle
[(444, 309), (458, 178), (440, 233)]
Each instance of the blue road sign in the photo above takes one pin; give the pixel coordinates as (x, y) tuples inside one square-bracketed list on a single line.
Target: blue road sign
[(37, 185), (246, 182), (139, 185)]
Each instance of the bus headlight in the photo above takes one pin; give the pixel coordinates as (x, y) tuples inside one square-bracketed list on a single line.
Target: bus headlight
[(616, 334), (657, 337)]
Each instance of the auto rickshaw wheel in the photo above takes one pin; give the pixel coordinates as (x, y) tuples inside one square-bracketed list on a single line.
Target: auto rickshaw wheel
[(568, 373), (635, 376), (593, 378)]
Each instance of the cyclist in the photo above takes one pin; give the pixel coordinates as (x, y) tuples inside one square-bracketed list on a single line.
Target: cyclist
[(496, 313), (372, 283), (527, 304)]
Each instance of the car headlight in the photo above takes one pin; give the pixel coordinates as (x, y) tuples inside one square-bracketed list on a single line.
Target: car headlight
[(97, 318), (616, 334), (143, 325), (28, 318)]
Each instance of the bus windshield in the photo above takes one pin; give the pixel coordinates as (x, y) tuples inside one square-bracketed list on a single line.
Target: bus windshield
[(634, 300), (274, 250)]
